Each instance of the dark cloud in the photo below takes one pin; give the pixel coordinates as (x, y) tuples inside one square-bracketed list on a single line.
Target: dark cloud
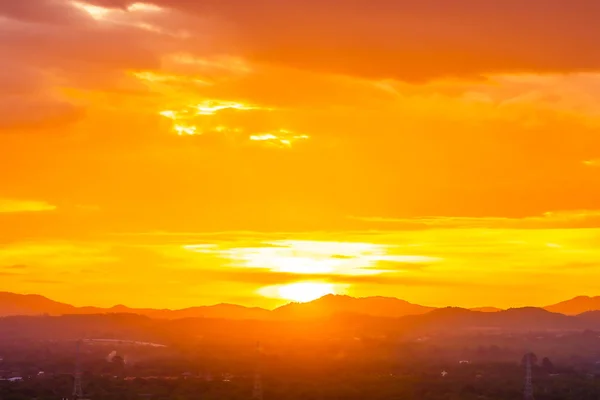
[(413, 40), (40, 11), (54, 44), (400, 39)]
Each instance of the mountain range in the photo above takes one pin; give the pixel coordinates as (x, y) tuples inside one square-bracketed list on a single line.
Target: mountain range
[(12, 304)]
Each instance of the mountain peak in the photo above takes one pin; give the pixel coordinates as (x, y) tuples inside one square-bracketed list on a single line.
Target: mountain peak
[(331, 304), (576, 305)]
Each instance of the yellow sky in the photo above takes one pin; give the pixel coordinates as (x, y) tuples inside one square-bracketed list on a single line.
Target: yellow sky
[(170, 154)]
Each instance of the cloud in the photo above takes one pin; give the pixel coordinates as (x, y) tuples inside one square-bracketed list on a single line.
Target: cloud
[(72, 47), (549, 220), (23, 206), (267, 277), (377, 39), (281, 138), (411, 40)]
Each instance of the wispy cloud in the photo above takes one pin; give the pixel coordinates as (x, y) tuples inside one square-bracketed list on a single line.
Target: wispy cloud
[(21, 206), (577, 218), (592, 163), (314, 257)]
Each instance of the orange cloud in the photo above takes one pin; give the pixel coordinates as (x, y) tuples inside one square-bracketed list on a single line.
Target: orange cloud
[(409, 40), (19, 206), (551, 220)]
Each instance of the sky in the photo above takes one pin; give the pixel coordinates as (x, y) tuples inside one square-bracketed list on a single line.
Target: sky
[(173, 153)]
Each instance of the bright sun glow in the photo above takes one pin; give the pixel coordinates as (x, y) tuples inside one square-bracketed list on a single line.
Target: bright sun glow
[(300, 292), (316, 257)]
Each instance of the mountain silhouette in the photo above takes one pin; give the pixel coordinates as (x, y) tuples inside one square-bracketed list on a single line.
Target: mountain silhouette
[(12, 304), (515, 319), (440, 322), (335, 304), (575, 306), (32, 304)]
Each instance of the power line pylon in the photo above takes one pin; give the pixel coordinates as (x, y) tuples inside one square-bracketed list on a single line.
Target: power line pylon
[(77, 388), (257, 390), (528, 390)]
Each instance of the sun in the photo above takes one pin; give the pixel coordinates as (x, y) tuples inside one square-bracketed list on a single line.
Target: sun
[(305, 291)]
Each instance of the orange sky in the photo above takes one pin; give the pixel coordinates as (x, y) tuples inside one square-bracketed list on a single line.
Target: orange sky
[(176, 153)]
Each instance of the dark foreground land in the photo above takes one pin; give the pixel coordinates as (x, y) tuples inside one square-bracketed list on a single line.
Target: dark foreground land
[(128, 357)]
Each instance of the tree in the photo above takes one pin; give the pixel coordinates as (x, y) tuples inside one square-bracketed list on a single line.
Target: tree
[(547, 365)]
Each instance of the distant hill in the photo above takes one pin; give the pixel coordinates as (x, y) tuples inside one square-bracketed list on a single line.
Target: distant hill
[(17, 304), (332, 304), (12, 304), (451, 320), (32, 304), (445, 322), (576, 306), (227, 311)]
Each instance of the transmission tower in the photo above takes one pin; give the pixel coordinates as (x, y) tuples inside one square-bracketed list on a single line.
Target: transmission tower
[(257, 391), (77, 389), (528, 391)]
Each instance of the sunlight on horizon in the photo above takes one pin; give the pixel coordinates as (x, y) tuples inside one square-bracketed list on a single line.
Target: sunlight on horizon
[(301, 292), (313, 257), (331, 260)]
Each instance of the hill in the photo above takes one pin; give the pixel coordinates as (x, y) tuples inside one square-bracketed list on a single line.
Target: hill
[(575, 306), (12, 304), (440, 322), (17, 304), (332, 304), (32, 304)]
